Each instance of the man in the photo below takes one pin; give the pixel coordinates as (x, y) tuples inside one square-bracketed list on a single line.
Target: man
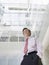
[(32, 52)]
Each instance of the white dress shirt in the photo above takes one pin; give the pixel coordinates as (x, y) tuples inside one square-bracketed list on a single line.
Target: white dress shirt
[(34, 45)]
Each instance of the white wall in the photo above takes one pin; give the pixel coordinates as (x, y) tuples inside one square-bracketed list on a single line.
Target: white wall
[(46, 48)]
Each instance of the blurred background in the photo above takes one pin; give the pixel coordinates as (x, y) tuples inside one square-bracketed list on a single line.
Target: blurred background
[(14, 16)]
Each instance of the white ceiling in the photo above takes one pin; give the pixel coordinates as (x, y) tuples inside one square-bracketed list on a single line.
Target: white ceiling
[(26, 1)]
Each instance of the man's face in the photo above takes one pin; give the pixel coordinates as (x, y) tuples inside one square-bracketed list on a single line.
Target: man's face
[(26, 32)]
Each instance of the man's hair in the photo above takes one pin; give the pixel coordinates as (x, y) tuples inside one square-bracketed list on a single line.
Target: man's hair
[(28, 30), (25, 28)]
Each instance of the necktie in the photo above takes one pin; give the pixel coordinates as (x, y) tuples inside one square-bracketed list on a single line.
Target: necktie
[(26, 46)]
